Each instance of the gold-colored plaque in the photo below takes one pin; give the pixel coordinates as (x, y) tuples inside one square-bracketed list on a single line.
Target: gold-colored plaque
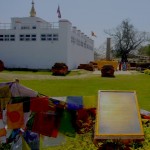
[(118, 116)]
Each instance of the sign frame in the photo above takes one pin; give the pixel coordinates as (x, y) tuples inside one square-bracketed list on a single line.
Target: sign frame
[(100, 132)]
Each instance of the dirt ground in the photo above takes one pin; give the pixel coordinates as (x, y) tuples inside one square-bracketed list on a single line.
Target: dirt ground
[(13, 76), (82, 74)]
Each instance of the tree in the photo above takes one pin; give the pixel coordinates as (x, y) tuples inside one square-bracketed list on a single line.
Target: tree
[(145, 50), (148, 50), (125, 39)]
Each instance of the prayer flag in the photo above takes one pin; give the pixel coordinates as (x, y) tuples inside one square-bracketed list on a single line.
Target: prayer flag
[(2, 131), (3, 139), (24, 100), (54, 102), (32, 139), (89, 101), (25, 146), (66, 124), (5, 95), (13, 135), (17, 143), (30, 121), (46, 124), (47, 142), (58, 12), (39, 104), (93, 34), (2, 127), (74, 102), (15, 116)]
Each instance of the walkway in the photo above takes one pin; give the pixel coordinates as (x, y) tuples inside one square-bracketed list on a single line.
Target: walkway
[(128, 72)]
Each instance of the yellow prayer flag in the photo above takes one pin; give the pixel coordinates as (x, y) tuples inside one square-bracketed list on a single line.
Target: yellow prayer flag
[(15, 116), (2, 132), (5, 95), (25, 146), (89, 101)]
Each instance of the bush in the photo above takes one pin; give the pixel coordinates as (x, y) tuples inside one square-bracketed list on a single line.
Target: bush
[(1, 65), (142, 66), (107, 71), (59, 69), (147, 71), (88, 67)]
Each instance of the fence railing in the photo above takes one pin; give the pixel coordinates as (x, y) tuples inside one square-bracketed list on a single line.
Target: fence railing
[(29, 25)]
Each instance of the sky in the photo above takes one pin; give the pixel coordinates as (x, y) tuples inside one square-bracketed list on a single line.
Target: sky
[(86, 15)]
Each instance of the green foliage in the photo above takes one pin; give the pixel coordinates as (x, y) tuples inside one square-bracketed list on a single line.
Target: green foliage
[(145, 50), (80, 142), (5, 146), (145, 145), (147, 71), (85, 142)]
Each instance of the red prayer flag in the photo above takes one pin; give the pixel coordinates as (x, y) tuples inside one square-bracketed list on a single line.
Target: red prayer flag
[(46, 124), (39, 104), (2, 127)]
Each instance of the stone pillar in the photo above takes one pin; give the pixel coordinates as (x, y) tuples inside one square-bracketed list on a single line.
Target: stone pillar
[(108, 49)]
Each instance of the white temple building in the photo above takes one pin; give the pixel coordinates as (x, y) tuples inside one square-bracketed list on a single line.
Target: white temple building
[(33, 43)]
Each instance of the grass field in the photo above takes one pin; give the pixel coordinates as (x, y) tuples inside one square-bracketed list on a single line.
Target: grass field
[(88, 85)]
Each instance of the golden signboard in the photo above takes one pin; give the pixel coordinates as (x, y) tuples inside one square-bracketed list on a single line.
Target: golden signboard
[(118, 116)]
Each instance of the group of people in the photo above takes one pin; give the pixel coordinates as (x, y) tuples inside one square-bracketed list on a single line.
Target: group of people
[(124, 66)]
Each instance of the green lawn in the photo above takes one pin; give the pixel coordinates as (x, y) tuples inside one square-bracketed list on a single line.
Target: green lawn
[(90, 86)]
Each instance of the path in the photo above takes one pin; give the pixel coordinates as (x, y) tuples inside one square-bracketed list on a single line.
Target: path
[(13, 76)]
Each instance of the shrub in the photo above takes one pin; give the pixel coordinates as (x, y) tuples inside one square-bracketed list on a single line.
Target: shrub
[(88, 67), (59, 69), (147, 71), (142, 66), (1, 65), (107, 71)]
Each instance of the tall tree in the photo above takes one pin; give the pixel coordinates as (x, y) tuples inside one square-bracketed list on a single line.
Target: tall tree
[(125, 38)]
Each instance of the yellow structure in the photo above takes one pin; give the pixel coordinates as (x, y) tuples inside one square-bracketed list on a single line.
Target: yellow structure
[(32, 12), (101, 63)]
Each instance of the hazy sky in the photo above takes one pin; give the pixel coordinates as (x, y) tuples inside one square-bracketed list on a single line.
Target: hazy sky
[(86, 15)]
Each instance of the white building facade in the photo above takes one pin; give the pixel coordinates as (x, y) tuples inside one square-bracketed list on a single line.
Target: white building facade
[(33, 43)]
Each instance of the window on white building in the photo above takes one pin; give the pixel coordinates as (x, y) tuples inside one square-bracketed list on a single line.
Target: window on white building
[(55, 37), (33, 37), (49, 37), (43, 37), (7, 37), (34, 27), (25, 27), (27, 37)]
